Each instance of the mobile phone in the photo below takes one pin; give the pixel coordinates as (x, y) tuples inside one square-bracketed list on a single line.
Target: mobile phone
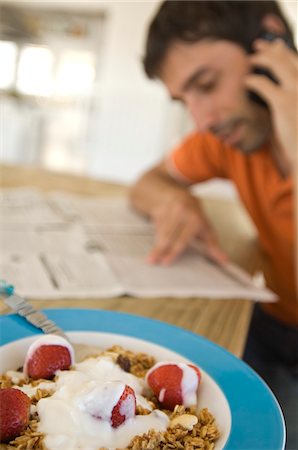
[(267, 36)]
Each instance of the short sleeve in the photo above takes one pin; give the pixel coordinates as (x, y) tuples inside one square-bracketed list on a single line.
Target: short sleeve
[(199, 158)]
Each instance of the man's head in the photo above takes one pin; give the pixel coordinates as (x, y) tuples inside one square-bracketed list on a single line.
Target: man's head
[(199, 50)]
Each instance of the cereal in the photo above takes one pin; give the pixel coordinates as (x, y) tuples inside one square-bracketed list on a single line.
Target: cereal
[(187, 429), (202, 436)]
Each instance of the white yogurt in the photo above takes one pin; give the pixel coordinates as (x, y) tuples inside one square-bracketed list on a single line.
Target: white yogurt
[(30, 390), (99, 399), (69, 418), (189, 385), (15, 376)]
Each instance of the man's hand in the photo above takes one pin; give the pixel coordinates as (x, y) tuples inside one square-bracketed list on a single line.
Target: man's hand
[(281, 98), (178, 222)]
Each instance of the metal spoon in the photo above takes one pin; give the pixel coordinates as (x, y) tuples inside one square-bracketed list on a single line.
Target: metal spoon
[(40, 320)]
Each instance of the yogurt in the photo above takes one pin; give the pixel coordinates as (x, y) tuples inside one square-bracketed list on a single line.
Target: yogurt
[(70, 417)]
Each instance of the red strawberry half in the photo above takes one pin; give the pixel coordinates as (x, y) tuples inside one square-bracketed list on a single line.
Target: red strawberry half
[(47, 355), (111, 401), (174, 384), (125, 408), (14, 413)]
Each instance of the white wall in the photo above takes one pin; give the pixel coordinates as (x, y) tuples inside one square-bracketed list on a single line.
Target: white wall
[(290, 9), (128, 129), (133, 123)]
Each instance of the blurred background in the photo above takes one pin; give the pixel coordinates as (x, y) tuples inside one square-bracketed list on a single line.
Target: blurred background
[(73, 96)]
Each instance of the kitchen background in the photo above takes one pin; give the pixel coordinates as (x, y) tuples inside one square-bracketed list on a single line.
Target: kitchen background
[(73, 96)]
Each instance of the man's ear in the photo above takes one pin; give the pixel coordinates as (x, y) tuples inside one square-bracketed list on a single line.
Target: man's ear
[(273, 24)]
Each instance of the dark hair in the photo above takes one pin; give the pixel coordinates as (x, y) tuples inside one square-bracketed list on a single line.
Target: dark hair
[(191, 21)]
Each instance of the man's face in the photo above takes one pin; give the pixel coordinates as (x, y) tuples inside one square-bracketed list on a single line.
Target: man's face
[(207, 76)]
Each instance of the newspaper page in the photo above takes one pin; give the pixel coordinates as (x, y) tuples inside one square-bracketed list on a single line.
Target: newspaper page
[(26, 208), (68, 246)]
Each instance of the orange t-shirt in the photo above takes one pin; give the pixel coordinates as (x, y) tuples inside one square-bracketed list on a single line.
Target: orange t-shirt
[(268, 198)]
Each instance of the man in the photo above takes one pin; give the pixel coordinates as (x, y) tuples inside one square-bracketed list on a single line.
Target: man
[(206, 53)]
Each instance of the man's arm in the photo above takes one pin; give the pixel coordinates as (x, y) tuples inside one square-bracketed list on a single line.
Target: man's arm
[(282, 99), (176, 214)]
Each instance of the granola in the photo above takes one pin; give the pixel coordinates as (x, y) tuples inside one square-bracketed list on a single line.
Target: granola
[(187, 429)]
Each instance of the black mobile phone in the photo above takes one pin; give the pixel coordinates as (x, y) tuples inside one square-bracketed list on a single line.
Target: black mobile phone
[(268, 36)]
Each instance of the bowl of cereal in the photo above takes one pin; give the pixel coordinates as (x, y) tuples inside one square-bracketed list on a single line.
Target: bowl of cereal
[(144, 385)]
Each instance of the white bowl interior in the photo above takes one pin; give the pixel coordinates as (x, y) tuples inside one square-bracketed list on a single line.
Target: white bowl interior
[(210, 394)]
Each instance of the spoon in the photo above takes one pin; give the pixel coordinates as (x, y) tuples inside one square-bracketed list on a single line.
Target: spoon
[(40, 320)]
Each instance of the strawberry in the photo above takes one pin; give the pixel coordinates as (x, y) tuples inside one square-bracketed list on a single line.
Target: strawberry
[(125, 408), (109, 401), (46, 360), (174, 384), (46, 355), (14, 413), (165, 382)]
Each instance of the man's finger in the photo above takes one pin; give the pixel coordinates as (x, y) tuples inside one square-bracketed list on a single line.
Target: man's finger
[(278, 59), (209, 246), (181, 242), (262, 85)]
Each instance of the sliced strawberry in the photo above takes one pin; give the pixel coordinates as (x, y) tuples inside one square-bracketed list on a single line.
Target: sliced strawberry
[(46, 355), (174, 384), (165, 382), (14, 413), (46, 360), (109, 401), (125, 408)]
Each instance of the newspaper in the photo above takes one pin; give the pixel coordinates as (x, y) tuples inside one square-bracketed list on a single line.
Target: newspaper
[(68, 246)]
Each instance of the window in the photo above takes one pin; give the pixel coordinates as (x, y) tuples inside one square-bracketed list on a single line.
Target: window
[(76, 73), (35, 71), (49, 58), (8, 56), (54, 55)]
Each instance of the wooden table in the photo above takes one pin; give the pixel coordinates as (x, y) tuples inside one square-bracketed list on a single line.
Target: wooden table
[(224, 322)]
